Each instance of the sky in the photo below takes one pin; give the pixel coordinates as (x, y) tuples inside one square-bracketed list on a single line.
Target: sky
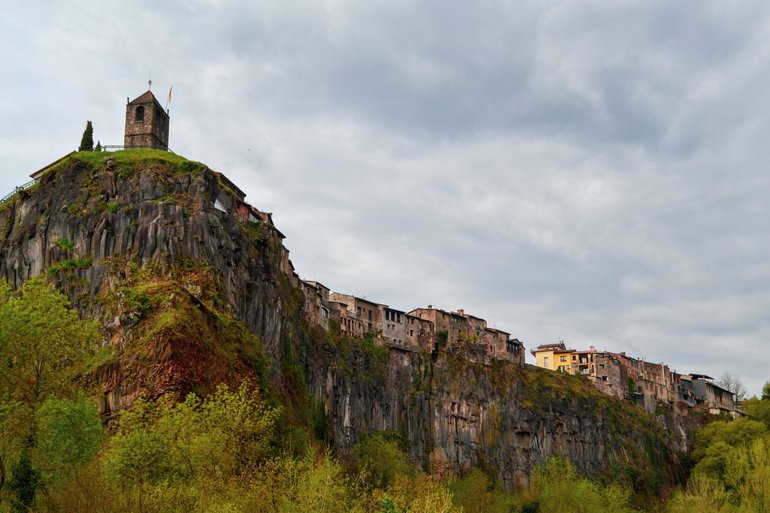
[(586, 171)]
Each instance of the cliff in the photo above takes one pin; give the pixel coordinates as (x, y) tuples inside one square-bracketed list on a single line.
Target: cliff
[(456, 414), (134, 239), (191, 293)]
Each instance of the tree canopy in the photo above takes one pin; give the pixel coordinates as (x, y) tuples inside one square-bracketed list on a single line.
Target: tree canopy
[(87, 141), (44, 345), (43, 342)]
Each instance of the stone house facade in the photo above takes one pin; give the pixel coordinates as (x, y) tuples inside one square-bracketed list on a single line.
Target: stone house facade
[(358, 315), (391, 325), (644, 383), (422, 329), (316, 305)]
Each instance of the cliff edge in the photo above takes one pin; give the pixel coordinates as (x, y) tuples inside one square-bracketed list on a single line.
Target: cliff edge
[(193, 287)]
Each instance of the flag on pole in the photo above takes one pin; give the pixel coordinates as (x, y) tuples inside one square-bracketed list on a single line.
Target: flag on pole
[(169, 95)]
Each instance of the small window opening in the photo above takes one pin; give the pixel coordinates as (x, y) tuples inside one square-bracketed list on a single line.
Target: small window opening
[(139, 115)]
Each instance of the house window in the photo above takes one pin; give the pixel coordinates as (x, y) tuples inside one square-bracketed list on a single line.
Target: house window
[(139, 115), (601, 366), (564, 358), (545, 361)]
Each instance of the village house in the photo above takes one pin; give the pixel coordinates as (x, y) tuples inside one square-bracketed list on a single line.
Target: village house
[(316, 305), (357, 315), (710, 397), (610, 375), (419, 332), (459, 329), (391, 324), (495, 341), (555, 357), (448, 325), (644, 383)]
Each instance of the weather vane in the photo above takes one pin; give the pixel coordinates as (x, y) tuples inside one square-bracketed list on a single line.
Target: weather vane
[(149, 82)]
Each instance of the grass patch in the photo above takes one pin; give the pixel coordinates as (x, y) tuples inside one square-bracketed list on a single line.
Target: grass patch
[(70, 265)]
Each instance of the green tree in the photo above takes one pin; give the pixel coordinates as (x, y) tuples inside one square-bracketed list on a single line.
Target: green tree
[(380, 460), (98, 146), (558, 489), (419, 493), (43, 343), (476, 494), (315, 483), (716, 443), (15, 420), (23, 483), (69, 434), (742, 485), (87, 141), (226, 436)]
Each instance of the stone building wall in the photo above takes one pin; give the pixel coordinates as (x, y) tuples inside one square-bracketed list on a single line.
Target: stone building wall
[(147, 124)]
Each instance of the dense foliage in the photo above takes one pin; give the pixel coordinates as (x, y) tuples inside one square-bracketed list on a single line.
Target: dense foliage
[(732, 465), (46, 427)]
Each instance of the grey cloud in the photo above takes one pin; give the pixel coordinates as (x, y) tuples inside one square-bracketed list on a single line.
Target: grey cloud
[(586, 170)]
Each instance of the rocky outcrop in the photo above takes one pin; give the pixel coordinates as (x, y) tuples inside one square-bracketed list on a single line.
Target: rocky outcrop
[(135, 240), (456, 414), (152, 245), (92, 216)]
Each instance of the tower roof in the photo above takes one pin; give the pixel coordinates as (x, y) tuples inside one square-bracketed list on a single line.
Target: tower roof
[(147, 97)]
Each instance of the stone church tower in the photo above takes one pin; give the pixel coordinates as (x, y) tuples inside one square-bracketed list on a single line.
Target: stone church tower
[(146, 123)]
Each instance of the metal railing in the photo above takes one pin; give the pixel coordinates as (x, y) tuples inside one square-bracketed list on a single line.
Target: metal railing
[(106, 148), (118, 147), (17, 190)]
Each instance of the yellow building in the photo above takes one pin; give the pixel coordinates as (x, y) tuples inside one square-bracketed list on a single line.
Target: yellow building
[(554, 357), (558, 358)]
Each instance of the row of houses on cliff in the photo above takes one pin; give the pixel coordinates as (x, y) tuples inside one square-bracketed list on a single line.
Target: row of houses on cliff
[(418, 330), (432, 329), (645, 383)]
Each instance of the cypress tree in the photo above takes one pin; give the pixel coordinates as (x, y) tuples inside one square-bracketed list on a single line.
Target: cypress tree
[(98, 146), (87, 142)]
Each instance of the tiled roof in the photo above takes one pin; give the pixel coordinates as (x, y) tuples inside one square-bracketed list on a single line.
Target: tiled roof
[(147, 97)]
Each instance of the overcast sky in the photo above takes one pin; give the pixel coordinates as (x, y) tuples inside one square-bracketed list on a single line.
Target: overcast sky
[(592, 171)]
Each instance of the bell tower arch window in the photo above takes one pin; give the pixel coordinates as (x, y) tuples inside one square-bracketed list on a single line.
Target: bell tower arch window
[(139, 115)]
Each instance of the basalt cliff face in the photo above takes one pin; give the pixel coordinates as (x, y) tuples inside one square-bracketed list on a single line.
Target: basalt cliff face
[(134, 239), (457, 414), (192, 294)]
